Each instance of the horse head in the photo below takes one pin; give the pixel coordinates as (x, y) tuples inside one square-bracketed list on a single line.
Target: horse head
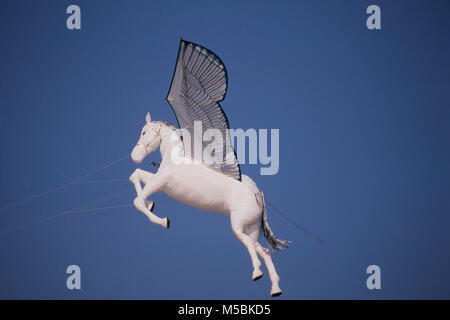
[(149, 140)]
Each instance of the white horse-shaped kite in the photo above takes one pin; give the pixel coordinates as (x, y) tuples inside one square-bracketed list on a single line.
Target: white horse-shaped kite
[(199, 83)]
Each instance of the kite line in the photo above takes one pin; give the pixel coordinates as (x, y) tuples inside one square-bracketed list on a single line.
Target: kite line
[(71, 211), (295, 224), (67, 184), (156, 164)]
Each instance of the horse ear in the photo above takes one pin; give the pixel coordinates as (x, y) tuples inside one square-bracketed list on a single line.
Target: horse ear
[(148, 118)]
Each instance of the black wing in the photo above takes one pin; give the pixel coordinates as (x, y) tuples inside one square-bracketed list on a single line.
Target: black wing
[(198, 85)]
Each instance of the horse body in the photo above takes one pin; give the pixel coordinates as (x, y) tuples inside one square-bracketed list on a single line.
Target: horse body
[(201, 187)]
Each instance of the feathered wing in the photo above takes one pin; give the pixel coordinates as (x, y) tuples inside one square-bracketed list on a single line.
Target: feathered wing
[(198, 85)]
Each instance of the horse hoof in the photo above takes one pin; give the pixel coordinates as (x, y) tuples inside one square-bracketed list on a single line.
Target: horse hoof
[(276, 292), (257, 274), (167, 223)]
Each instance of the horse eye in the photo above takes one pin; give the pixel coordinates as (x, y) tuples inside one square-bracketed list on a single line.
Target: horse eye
[(143, 133)]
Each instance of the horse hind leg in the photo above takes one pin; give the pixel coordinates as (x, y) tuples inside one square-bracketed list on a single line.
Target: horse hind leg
[(264, 253), (274, 278), (238, 229)]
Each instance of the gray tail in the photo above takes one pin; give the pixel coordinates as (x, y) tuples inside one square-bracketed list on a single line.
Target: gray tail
[(275, 243)]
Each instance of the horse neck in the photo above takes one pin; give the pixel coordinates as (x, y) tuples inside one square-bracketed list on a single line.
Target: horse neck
[(167, 143)]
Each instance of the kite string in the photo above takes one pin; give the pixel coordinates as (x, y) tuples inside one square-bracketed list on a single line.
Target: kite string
[(294, 223), (80, 209), (102, 168), (62, 186), (156, 164), (71, 211), (100, 181)]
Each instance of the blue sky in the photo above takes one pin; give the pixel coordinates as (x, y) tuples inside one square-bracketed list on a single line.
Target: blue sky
[(364, 135)]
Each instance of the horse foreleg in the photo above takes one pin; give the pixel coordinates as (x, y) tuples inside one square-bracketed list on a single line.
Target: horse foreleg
[(136, 178), (152, 184), (141, 205)]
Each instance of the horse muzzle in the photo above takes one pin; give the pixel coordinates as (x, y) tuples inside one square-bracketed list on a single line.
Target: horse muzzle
[(138, 154)]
